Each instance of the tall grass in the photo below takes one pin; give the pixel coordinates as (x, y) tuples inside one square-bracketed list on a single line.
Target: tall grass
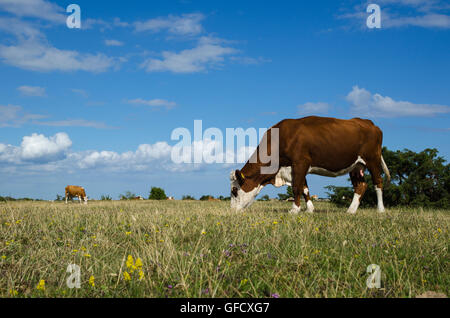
[(204, 249)]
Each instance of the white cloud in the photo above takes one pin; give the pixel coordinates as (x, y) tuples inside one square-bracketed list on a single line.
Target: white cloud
[(36, 149), (313, 108), (39, 9), (32, 90), (74, 123), (426, 21), (153, 102), (15, 116), (364, 103), (19, 28), (32, 55), (113, 43), (209, 52), (186, 24), (40, 148), (80, 92), (405, 13), (38, 153)]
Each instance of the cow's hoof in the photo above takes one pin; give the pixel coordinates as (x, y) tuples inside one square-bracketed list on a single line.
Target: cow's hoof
[(309, 207), (351, 210)]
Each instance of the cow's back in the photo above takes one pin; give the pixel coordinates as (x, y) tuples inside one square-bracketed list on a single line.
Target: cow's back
[(327, 142)]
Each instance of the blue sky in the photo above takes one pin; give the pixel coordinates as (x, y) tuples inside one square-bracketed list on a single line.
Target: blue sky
[(96, 106)]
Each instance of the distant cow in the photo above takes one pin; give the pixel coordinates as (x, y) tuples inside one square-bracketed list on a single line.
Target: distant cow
[(318, 145), (76, 191)]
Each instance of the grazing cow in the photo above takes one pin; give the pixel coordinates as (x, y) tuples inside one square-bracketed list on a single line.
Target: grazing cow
[(76, 191), (317, 145)]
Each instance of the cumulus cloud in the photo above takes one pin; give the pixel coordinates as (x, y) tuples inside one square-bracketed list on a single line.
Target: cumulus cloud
[(32, 90), (186, 24), (209, 52), (40, 148), (37, 148), (153, 102), (313, 108), (39, 153), (364, 103)]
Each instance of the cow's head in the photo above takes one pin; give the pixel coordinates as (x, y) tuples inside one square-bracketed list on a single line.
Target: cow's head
[(243, 190)]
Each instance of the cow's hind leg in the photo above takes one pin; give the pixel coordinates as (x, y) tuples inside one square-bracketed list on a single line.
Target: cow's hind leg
[(359, 186), (375, 171), (306, 196), (298, 181)]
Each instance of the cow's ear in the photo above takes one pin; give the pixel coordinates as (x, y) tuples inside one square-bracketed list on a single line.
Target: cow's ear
[(240, 177)]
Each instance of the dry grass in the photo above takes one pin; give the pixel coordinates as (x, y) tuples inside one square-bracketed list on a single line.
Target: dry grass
[(203, 249)]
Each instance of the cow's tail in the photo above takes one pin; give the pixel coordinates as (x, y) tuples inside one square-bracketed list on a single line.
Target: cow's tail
[(386, 171)]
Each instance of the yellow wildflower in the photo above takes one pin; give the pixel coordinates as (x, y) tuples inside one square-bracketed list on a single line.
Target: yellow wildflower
[(87, 255), (126, 276), (13, 292), (138, 263), (203, 232), (141, 274), (41, 285), (275, 222), (127, 233), (18, 221), (130, 261), (92, 281)]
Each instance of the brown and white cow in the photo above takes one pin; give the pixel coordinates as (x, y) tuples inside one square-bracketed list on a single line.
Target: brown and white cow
[(76, 191), (315, 145)]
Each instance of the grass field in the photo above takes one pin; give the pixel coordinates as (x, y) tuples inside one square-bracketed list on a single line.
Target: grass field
[(203, 249)]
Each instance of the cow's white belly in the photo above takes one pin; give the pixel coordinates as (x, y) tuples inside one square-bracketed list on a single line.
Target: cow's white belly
[(324, 172), (284, 175)]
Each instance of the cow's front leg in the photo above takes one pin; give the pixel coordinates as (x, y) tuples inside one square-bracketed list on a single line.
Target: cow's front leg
[(298, 183), (359, 186), (306, 196)]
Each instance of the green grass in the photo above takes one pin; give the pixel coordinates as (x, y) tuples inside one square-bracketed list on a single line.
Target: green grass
[(204, 249)]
